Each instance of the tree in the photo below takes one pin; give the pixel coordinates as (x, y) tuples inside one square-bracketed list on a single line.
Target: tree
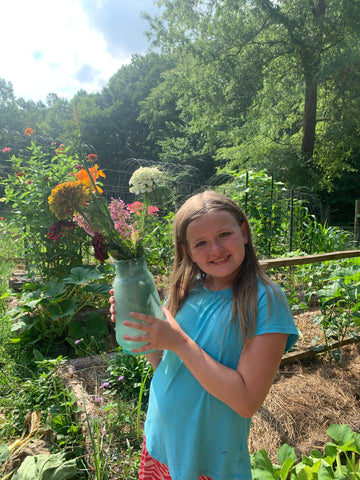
[(263, 69), (110, 120)]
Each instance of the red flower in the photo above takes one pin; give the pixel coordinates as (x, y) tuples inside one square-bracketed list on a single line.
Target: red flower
[(29, 131), (58, 229), (136, 207), (92, 157), (100, 251)]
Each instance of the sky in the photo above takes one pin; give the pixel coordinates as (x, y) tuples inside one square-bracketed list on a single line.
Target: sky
[(62, 47)]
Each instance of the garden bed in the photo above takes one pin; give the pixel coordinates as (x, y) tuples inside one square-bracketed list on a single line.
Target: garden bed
[(305, 399)]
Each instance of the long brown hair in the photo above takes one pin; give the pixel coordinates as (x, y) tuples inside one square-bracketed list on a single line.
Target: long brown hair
[(186, 274)]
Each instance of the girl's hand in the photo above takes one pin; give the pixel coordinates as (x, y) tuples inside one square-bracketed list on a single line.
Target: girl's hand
[(158, 334)]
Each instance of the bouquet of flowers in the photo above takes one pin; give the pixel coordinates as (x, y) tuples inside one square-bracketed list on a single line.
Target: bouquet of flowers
[(117, 229)]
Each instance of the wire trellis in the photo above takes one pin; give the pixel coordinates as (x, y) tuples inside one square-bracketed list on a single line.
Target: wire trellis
[(180, 181)]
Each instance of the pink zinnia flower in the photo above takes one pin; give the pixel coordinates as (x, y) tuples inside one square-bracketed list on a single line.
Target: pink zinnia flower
[(136, 207), (152, 210)]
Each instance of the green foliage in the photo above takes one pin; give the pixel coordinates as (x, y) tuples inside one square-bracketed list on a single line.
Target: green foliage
[(340, 460), (46, 313), (36, 386), (339, 302), (47, 467), (130, 369), (27, 189), (280, 221), (159, 245)]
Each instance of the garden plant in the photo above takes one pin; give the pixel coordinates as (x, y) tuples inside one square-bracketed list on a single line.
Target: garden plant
[(41, 328)]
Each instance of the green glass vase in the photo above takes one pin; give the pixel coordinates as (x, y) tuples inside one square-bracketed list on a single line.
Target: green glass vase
[(134, 291)]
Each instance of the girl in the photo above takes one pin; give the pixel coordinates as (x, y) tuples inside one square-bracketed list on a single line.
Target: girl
[(217, 354)]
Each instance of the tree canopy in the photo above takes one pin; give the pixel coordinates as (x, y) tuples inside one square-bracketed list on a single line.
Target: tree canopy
[(227, 85)]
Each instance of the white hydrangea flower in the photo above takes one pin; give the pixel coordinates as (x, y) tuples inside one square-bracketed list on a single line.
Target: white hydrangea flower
[(145, 179)]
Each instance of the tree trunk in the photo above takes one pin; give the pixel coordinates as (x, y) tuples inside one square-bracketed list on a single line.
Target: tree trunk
[(309, 119)]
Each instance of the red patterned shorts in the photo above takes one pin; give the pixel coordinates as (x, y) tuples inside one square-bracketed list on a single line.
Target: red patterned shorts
[(151, 469)]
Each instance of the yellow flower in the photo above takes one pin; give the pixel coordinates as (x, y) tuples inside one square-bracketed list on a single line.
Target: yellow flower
[(85, 178), (68, 198)]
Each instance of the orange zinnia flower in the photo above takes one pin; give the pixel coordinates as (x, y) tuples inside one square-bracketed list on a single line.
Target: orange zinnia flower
[(85, 178), (29, 131)]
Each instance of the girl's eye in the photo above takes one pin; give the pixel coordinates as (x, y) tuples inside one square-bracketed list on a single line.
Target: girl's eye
[(224, 234), (200, 244)]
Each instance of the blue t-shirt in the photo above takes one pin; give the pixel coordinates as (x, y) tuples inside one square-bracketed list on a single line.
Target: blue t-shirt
[(188, 429)]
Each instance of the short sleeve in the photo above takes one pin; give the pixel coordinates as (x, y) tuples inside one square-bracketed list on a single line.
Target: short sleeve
[(273, 315)]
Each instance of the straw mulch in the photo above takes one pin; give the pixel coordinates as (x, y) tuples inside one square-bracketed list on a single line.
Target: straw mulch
[(305, 399)]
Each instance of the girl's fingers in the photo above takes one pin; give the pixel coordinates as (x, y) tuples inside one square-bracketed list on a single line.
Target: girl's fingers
[(143, 317)]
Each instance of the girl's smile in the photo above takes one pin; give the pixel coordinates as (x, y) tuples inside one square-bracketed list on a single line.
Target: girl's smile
[(216, 243)]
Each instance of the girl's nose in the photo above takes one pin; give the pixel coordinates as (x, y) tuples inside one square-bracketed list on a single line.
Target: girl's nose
[(216, 246)]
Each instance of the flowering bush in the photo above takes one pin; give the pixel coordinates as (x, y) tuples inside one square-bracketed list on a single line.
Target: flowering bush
[(49, 248), (117, 229)]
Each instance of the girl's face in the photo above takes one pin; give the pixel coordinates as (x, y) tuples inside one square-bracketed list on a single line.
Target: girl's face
[(216, 243)]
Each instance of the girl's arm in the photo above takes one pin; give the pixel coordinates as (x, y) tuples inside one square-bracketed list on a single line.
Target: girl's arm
[(243, 389)]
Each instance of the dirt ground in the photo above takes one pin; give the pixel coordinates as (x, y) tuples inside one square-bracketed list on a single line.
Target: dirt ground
[(305, 399)]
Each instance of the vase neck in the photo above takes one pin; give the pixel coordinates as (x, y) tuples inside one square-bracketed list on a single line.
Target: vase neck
[(133, 264)]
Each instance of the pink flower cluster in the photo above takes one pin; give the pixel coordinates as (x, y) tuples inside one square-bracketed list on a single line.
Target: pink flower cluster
[(6, 150), (80, 220), (137, 207), (120, 214)]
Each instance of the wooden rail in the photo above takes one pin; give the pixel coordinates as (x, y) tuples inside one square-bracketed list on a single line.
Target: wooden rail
[(319, 257)]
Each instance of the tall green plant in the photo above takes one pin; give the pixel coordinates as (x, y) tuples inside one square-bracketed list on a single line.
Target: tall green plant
[(340, 309), (275, 217), (27, 189)]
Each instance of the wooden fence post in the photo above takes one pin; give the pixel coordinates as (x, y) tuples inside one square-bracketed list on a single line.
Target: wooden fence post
[(357, 222)]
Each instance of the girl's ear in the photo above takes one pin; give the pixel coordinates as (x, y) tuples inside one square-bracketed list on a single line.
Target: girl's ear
[(186, 251), (244, 231)]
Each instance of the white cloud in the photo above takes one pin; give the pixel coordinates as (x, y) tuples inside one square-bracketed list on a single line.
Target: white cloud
[(48, 46)]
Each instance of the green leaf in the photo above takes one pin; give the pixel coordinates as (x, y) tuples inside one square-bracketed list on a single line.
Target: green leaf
[(80, 275), (325, 473), (341, 434), (95, 325), (285, 452), (47, 467), (4, 453), (101, 288), (263, 462), (65, 308), (316, 454), (54, 288)]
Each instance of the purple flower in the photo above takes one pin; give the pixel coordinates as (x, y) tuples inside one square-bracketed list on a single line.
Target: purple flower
[(99, 399), (78, 341), (105, 384), (121, 378)]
